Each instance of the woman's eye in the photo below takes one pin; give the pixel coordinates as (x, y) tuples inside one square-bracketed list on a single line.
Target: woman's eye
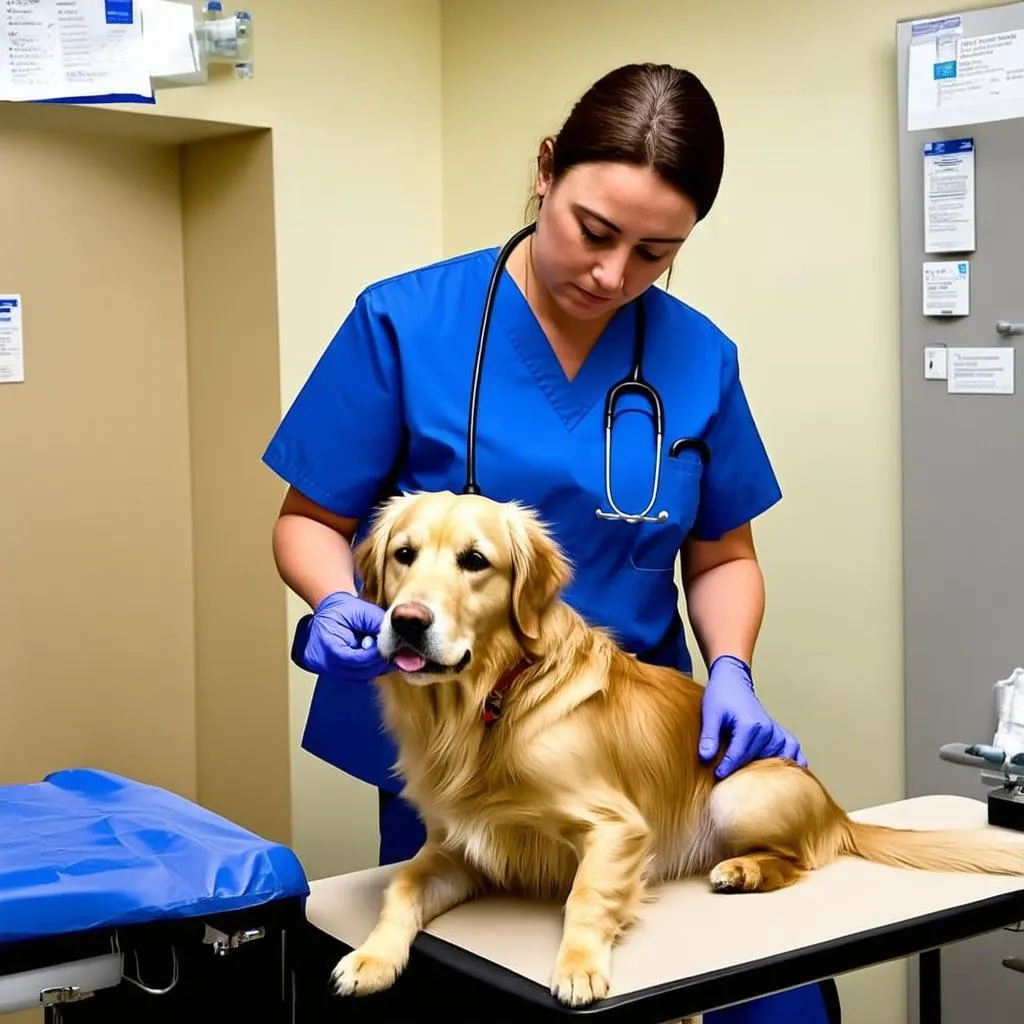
[(472, 561), (643, 253), (405, 555), (590, 236)]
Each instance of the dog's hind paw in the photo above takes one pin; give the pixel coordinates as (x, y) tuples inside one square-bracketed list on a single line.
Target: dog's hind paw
[(361, 974), (733, 876), (581, 977), (756, 872)]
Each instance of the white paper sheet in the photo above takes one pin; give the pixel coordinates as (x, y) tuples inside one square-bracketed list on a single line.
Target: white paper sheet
[(949, 208), (60, 49), (936, 362), (169, 38), (946, 289), (12, 352), (955, 79), (980, 371), (1009, 734)]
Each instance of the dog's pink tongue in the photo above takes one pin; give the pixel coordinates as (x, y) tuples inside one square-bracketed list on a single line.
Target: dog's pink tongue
[(409, 661)]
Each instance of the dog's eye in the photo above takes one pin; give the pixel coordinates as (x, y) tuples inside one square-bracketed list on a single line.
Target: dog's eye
[(472, 561), (405, 555)]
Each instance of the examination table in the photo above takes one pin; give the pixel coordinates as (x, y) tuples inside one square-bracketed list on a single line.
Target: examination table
[(693, 950), (123, 902)]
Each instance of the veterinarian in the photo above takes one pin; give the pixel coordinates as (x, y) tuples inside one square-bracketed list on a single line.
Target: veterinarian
[(619, 189)]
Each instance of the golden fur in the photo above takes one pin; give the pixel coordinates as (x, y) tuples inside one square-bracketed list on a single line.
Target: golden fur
[(588, 789)]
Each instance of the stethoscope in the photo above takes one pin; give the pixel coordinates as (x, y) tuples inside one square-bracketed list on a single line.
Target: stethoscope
[(633, 383)]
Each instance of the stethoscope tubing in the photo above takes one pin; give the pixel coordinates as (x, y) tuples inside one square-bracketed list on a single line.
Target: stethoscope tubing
[(634, 383)]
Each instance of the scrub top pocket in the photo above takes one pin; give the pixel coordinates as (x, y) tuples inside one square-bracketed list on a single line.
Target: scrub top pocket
[(657, 544)]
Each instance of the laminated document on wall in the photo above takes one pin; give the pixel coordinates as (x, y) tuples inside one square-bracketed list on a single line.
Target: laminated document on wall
[(980, 371), (954, 79), (946, 288), (56, 49), (949, 222), (12, 354)]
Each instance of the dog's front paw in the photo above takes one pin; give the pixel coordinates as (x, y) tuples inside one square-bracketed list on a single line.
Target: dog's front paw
[(362, 973), (582, 976)]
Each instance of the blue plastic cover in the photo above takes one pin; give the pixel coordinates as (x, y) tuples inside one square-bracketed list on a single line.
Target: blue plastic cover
[(87, 849)]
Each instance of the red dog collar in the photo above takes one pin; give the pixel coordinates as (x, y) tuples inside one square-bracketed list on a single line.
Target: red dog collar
[(495, 699)]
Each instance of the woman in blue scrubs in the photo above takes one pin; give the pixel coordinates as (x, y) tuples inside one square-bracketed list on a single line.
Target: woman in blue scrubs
[(632, 172)]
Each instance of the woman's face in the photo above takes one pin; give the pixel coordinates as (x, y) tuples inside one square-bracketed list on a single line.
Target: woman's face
[(605, 233)]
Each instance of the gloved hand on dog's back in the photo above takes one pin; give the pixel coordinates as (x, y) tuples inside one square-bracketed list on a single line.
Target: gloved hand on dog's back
[(729, 700), (339, 639)]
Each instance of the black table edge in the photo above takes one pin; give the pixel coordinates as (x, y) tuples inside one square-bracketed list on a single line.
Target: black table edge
[(46, 951), (717, 989)]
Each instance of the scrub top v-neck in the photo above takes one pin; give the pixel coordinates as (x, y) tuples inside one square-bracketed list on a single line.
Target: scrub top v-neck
[(385, 411)]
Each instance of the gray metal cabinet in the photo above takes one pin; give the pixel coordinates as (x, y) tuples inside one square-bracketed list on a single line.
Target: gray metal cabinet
[(963, 501)]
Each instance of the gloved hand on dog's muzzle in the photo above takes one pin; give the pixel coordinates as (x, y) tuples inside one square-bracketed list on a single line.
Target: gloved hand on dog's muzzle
[(729, 700), (339, 639)]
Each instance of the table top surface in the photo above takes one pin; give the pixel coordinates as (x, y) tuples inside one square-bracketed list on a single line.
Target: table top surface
[(844, 916)]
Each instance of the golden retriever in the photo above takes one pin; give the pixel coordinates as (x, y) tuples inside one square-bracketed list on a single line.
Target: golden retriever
[(546, 761)]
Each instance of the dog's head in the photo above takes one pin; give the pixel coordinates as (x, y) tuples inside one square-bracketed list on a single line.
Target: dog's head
[(454, 573)]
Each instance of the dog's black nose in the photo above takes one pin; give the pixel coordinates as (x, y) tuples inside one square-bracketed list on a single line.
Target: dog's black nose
[(410, 620)]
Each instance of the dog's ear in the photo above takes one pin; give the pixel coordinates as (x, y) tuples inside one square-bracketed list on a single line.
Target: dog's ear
[(371, 554), (540, 571)]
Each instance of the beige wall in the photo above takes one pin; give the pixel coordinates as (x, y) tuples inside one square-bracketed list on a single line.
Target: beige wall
[(96, 626), (352, 94), (242, 743)]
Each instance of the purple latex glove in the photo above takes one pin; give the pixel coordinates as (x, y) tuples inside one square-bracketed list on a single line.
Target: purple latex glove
[(729, 701), (340, 639)]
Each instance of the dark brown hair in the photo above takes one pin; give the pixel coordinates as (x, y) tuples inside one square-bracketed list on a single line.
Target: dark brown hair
[(651, 115)]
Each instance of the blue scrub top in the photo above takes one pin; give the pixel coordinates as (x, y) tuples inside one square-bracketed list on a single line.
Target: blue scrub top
[(385, 411)]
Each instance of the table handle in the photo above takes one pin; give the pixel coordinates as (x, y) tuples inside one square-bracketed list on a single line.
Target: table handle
[(1015, 963)]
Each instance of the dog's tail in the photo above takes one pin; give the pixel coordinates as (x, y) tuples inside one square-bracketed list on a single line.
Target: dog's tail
[(967, 850)]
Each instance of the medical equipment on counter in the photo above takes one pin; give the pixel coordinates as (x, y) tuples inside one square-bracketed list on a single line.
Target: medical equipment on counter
[(634, 383), (122, 901), (1001, 761)]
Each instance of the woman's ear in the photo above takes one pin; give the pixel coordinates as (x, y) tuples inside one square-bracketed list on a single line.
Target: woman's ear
[(540, 571), (545, 167)]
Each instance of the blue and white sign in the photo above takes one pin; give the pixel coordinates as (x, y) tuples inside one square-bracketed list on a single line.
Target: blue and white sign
[(119, 12), (949, 221), (81, 50), (956, 78), (12, 356), (946, 288)]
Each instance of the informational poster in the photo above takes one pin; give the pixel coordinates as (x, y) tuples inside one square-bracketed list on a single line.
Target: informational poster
[(955, 79), (12, 346), (55, 49), (980, 371), (949, 210), (946, 288)]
